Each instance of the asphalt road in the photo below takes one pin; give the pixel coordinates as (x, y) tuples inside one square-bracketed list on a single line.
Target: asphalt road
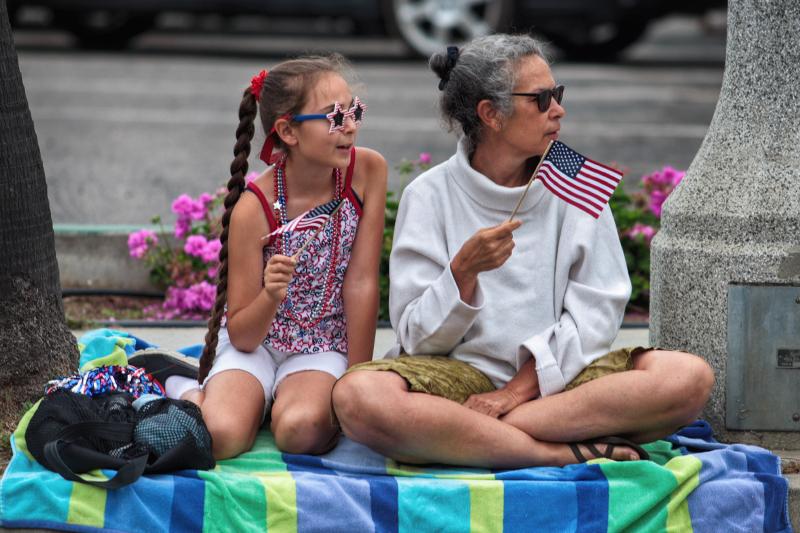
[(122, 134)]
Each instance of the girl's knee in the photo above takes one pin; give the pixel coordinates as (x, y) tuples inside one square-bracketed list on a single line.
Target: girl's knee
[(299, 429), (230, 436)]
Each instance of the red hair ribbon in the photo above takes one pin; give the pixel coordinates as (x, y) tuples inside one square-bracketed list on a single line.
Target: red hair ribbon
[(269, 144), (257, 83)]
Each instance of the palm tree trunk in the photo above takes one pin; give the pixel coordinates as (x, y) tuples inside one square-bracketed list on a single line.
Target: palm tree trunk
[(35, 342)]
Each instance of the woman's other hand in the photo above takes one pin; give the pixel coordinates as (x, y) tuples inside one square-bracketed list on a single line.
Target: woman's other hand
[(277, 275), (487, 250)]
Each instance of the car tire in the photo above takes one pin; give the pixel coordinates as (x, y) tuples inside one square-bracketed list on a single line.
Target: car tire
[(101, 29), (428, 26), (596, 41)]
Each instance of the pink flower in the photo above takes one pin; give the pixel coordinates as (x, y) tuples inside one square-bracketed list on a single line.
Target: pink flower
[(186, 207), (183, 205), (211, 250), (139, 242), (642, 229), (182, 227), (205, 199), (205, 294), (212, 272), (424, 158), (195, 245), (249, 177), (657, 199)]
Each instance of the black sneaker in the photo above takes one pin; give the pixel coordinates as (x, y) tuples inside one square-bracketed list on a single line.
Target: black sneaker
[(162, 364)]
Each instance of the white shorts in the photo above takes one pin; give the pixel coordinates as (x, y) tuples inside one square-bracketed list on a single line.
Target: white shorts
[(270, 366)]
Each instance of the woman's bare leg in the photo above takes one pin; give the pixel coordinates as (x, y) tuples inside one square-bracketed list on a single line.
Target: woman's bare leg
[(376, 409), (664, 391)]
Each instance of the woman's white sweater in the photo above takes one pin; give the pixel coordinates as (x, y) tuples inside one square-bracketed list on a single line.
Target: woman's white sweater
[(561, 295)]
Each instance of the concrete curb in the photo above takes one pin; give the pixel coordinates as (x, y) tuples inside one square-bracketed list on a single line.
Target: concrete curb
[(96, 257)]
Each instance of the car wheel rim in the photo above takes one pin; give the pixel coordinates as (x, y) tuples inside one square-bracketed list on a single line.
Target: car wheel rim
[(429, 25)]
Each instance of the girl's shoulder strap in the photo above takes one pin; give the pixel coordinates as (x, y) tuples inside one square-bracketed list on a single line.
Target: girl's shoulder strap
[(348, 183), (255, 189)]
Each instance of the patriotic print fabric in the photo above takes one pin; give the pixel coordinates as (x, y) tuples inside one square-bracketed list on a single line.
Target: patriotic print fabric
[(312, 219), (579, 181)]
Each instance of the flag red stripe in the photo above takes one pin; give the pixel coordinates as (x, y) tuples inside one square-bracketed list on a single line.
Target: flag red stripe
[(567, 183), (598, 186), (612, 173), (569, 201), (612, 183), (572, 194)]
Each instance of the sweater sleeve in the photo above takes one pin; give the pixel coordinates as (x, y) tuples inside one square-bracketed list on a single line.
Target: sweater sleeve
[(425, 306), (592, 287)]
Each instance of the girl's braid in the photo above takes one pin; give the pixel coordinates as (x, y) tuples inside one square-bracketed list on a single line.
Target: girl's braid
[(236, 186)]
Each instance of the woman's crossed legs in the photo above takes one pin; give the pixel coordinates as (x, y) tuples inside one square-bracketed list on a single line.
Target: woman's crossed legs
[(663, 391)]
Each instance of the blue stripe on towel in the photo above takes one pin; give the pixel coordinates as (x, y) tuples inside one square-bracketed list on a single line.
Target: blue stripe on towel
[(187, 507), (551, 503), (383, 500), (775, 487), (150, 497), (441, 507), (327, 501), (592, 499), (726, 487)]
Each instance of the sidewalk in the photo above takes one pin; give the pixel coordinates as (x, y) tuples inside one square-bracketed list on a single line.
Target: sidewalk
[(179, 337), (174, 338)]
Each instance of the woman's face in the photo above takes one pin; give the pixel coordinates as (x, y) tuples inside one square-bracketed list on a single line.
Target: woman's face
[(315, 141), (529, 129)]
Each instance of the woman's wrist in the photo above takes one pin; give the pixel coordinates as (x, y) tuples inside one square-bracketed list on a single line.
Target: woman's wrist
[(465, 281)]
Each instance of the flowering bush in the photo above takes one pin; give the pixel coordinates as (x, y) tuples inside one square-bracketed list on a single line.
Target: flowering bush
[(186, 268), (638, 217)]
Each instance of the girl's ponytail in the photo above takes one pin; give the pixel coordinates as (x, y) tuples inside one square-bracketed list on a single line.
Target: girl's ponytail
[(236, 186)]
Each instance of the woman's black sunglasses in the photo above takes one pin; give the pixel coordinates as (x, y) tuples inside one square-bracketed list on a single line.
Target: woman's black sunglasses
[(543, 98)]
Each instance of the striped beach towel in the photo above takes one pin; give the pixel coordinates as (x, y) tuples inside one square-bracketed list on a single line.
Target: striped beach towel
[(692, 484)]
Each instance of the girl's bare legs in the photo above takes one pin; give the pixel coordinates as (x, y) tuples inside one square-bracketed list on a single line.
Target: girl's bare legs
[(301, 415), (664, 391), (232, 404), (376, 409)]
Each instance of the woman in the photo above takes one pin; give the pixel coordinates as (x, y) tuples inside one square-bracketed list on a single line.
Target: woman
[(524, 311)]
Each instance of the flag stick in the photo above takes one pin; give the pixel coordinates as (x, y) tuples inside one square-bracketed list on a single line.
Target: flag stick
[(316, 231), (533, 176)]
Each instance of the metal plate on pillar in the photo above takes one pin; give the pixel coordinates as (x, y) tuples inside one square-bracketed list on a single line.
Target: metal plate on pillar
[(763, 370)]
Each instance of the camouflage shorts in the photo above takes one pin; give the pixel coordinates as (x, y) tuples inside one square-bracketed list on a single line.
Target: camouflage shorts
[(455, 380)]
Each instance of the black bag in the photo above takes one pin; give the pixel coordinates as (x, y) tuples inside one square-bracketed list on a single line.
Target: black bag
[(72, 434)]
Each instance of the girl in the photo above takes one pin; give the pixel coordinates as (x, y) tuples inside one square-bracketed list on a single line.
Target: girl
[(293, 322)]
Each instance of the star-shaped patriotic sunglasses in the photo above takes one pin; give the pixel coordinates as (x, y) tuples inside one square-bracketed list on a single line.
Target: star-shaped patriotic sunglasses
[(338, 115)]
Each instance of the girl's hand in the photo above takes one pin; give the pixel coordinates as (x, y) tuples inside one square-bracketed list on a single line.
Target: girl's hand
[(488, 249), (495, 403), (277, 275)]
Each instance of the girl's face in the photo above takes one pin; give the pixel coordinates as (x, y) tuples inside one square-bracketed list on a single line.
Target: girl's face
[(314, 139), (528, 128)]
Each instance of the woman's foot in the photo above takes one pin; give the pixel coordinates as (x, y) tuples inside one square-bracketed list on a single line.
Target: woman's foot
[(615, 448)]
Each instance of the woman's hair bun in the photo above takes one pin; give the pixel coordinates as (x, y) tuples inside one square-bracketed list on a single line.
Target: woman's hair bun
[(442, 64)]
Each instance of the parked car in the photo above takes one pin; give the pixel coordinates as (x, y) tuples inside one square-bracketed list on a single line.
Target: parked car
[(585, 29)]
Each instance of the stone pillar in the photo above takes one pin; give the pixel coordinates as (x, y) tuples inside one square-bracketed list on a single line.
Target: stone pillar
[(735, 218)]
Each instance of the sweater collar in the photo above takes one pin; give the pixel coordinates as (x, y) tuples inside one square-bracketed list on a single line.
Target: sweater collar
[(484, 191)]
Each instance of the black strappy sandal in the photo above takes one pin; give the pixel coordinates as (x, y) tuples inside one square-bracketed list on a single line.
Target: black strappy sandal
[(611, 442)]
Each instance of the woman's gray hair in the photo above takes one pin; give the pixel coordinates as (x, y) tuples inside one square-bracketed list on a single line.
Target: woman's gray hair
[(483, 70)]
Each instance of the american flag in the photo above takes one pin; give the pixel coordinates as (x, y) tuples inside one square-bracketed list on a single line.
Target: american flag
[(312, 219), (579, 181)]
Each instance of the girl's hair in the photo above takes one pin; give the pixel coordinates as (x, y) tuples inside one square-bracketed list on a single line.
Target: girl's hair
[(485, 69), (285, 90)]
